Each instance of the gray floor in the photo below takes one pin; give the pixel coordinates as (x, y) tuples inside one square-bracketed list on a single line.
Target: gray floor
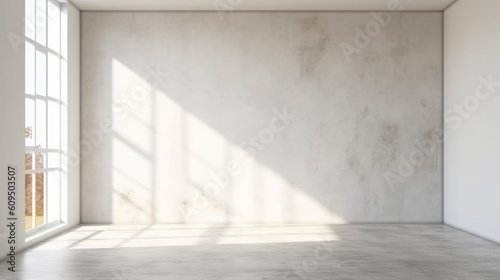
[(261, 252)]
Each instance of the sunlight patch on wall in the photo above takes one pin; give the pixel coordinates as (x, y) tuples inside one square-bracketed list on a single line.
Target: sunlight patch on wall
[(169, 165)]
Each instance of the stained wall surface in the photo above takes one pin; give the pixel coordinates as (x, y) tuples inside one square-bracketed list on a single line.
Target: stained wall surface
[(203, 117)]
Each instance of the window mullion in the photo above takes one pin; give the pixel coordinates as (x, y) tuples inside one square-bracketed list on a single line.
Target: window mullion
[(41, 150), (41, 170), (45, 98), (33, 161), (33, 196), (60, 113), (41, 47), (45, 174)]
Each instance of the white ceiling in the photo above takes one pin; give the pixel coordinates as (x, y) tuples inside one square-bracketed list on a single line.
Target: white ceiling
[(260, 5)]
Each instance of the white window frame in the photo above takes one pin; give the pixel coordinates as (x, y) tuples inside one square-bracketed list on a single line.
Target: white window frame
[(34, 149)]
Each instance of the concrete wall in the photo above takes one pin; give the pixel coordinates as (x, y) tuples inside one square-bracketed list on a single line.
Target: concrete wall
[(472, 89), (11, 112), (178, 107)]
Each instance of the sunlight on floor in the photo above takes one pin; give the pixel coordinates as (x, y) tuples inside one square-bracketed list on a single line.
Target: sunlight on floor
[(114, 236)]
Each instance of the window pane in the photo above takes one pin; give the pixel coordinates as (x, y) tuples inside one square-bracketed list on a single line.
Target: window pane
[(29, 133), (54, 134), (28, 201), (40, 160), (54, 196), (53, 25), (53, 160), (41, 21), (29, 27), (28, 160), (40, 130), (54, 76), (41, 77), (40, 199), (64, 127), (30, 69)]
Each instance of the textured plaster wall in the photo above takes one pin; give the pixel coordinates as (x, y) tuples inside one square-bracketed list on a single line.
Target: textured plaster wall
[(179, 104)]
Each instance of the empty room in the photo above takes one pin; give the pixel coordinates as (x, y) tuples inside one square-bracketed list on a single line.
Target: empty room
[(250, 139)]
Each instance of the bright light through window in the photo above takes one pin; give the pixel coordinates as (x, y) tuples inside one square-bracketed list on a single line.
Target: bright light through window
[(44, 108)]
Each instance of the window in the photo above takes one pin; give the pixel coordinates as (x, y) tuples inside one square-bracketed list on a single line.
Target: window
[(45, 113)]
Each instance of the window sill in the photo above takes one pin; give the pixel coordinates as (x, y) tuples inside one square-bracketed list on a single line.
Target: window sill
[(36, 233)]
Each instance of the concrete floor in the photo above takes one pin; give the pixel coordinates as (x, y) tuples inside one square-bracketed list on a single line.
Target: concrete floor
[(261, 252)]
